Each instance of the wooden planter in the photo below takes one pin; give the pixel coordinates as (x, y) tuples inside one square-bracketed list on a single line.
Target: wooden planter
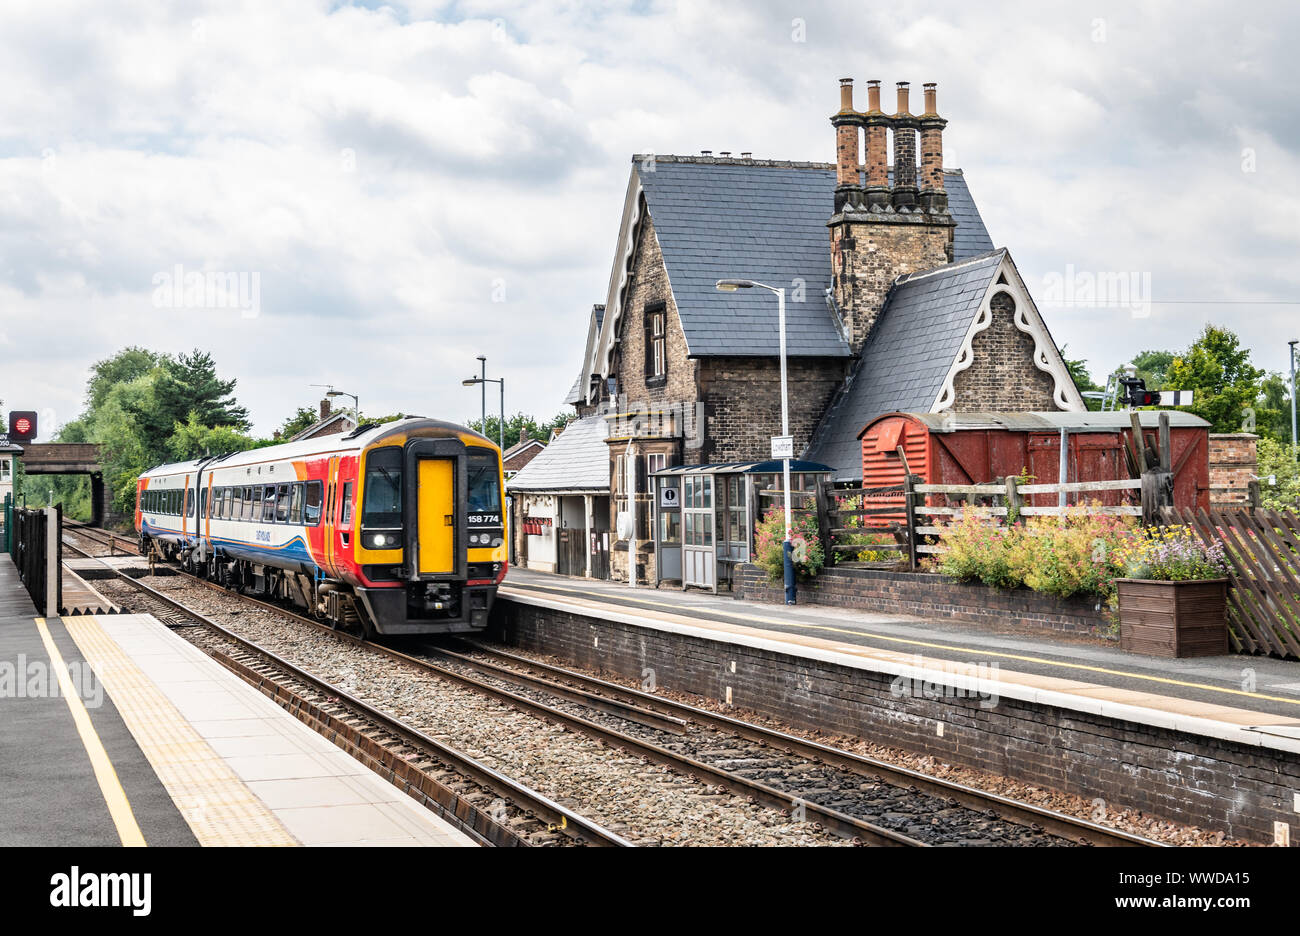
[(1173, 619)]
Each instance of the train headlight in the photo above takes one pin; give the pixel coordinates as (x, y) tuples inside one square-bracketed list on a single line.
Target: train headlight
[(381, 540)]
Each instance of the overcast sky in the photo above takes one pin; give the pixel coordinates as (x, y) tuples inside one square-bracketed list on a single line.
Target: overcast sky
[(389, 171)]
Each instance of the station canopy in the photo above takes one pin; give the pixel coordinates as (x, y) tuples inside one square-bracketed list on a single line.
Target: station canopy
[(763, 467)]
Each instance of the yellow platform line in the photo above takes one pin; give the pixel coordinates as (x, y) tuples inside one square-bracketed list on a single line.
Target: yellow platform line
[(913, 642), (119, 807), (217, 805)]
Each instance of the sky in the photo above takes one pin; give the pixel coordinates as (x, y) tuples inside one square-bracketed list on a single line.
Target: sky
[(380, 193)]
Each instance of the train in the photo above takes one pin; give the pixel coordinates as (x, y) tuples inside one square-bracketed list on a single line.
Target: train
[(389, 529)]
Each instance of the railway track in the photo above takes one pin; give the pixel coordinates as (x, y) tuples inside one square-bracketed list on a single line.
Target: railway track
[(862, 799), (484, 803)]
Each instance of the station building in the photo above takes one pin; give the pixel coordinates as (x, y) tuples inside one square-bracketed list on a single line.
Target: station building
[(897, 299)]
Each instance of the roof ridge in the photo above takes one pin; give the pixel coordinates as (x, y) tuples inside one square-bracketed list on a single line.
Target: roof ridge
[(738, 161), (949, 267)]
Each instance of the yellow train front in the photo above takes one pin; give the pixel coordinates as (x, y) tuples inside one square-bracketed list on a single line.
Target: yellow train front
[(430, 531)]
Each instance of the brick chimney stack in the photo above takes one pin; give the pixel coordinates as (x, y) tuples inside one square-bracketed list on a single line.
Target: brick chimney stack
[(848, 185), (324, 409), (877, 150), (879, 233), (905, 192), (933, 197)]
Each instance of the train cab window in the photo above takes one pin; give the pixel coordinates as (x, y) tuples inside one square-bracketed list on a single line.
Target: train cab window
[(282, 503), (295, 504), (345, 515), (268, 504), (382, 507), (484, 483), (311, 506)]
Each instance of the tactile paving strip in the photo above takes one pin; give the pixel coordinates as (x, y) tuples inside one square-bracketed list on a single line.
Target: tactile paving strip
[(219, 808)]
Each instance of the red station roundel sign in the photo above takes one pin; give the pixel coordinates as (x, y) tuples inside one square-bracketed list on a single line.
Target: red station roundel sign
[(22, 426)]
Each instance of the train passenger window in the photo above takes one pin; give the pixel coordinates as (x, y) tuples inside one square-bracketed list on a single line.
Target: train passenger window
[(237, 504), (268, 503), (189, 502), (311, 512), (227, 503), (295, 504), (346, 516), (250, 504), (282, 504)]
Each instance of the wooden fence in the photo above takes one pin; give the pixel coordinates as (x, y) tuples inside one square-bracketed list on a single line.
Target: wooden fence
[(1263, 552), (909, 511)]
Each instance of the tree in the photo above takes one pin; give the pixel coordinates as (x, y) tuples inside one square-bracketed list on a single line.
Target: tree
[(188, 384), (1082, 379), (1273, 408), (1153, 367), (514, 424), (300, 420), (1223, 382), (123, 367), (192, 439), (1276, 461)]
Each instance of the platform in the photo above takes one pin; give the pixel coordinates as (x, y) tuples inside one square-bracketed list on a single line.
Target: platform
[(116, 731), (1247, 699)]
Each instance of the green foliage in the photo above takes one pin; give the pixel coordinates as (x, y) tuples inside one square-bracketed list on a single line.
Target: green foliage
[(1218, 371), (1174, 554), (1082, 379), (192, 440), (1153, 367), (1278, 460), (514, 424), (184, 385), (1273, 408), (1079, 554), (304, 416), (809, 555)]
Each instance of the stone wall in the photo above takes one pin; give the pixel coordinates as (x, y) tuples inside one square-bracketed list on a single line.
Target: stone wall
[(1002, 375)]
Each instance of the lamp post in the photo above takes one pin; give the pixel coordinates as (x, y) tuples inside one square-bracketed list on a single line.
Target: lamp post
[(731, 285), (483, 382), (356, 404), (1291, 345)]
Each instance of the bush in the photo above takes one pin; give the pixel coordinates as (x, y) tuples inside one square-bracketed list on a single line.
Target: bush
[(1078, 554), (809, 556), (1275, 460)]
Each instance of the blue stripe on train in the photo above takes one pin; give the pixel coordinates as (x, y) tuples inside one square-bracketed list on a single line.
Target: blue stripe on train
[(292, 554)]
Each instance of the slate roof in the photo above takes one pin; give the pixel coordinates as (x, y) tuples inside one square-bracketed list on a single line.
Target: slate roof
[(907, 356), (766, 221), (578, 460)]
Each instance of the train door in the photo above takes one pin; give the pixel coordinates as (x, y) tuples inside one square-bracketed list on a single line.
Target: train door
[(698, 565), (187, 508), (436, 510), (205, 510), (344, 493), (330, 516)]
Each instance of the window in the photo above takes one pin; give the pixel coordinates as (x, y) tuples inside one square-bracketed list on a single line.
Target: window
[(268, 503), (484, 483), (382, 509), (295, 504), (250, 503), (345, 517), (282, 503), (189, 502), (227, 503), (311, 511), (699, 528), (737, 519), (237, 503), (655, 461), (5, 470), (656, 348)]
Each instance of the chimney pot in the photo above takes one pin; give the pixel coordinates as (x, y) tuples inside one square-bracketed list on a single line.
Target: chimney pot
[(746, 155), (846, 95), (873, 96), (902, 98), (930, 95), (706, 152)]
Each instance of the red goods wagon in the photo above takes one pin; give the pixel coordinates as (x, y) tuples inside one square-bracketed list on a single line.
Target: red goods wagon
[(983, 448)]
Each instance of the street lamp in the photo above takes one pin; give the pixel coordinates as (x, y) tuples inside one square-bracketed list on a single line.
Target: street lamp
[(1291, 345), (731, 285), (483, 382), (356, 404)]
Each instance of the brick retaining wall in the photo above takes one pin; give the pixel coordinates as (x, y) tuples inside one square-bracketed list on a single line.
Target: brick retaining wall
[(925, 594), (1215, 784)]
